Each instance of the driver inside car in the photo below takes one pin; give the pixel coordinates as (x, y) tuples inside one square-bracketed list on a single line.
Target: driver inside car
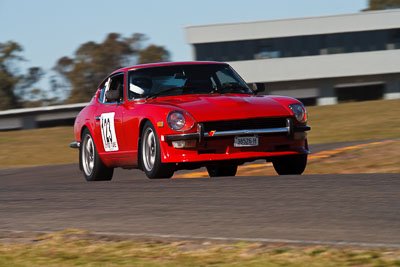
[(139, 86)]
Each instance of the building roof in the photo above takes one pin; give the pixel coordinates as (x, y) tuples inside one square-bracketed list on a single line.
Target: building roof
[(364, 21)]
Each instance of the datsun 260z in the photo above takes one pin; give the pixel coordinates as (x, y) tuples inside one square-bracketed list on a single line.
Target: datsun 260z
[(164, 117)]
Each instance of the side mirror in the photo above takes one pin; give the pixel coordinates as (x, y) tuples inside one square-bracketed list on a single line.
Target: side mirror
[(112, 96), (259, 87)]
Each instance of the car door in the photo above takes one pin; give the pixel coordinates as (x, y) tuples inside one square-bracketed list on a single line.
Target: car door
[(109, 120)]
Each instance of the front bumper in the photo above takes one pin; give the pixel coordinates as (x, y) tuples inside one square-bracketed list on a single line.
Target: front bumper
[(219, 145), (200, 135)]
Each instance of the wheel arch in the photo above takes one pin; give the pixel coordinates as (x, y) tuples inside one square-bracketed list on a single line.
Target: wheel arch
[(83, 128), (139, 154)]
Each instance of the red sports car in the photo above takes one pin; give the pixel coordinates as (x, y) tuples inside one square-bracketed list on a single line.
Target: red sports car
[(169, 116)]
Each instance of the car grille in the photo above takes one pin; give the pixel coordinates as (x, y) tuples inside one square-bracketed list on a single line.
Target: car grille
[(252, 123)]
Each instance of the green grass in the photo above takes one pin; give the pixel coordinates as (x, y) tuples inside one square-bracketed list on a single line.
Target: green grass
[(354, 121), (46, 146), (337, 123), (383, 157), (379, 158), (80, 248)]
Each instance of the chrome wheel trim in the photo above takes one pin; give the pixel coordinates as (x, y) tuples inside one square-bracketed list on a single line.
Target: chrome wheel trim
[(149, 149), (88, 155)]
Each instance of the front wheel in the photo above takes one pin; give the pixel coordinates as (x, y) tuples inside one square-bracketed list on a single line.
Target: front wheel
[(92, 166), (218, 171), (291, 164), (151, 155)]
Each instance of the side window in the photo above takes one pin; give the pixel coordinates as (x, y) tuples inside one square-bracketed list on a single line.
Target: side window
[(113, 89), (102, 92)]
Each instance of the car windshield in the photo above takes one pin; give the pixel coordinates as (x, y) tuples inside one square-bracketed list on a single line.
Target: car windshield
[(185, 79)]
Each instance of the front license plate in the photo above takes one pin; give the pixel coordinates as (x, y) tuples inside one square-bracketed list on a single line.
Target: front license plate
[(245, 141)]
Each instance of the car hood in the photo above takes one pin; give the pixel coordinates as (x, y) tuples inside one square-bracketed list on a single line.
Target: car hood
[(226, 107)]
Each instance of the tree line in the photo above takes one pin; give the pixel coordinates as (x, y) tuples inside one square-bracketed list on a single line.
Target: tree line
[(382, 4), (76, 78)]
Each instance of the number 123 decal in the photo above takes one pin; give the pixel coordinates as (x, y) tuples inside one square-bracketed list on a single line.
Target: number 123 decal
[(108, 131)]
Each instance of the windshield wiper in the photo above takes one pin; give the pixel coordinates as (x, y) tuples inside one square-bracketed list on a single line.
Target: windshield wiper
[(154, 95)]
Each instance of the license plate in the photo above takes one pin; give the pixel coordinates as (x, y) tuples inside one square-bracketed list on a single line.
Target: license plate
[(245, 141)]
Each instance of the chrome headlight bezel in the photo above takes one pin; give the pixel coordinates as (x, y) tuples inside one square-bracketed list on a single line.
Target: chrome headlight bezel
[(179, 121), (299, 111)]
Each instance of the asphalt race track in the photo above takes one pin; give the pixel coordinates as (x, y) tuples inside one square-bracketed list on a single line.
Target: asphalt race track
[(353, 209)]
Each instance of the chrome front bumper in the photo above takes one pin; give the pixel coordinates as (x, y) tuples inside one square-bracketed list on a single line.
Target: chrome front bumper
[(200, 135)]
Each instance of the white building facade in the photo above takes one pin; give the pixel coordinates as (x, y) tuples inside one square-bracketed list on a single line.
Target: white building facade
[(320, 60)]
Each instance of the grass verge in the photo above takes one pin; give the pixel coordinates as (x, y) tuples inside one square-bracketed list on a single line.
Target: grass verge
[(338, 123), (46, 146), (376, 157), (354, 121), (73, 248)]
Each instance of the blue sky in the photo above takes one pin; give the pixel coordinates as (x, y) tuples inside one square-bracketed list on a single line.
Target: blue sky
[(50, 29)]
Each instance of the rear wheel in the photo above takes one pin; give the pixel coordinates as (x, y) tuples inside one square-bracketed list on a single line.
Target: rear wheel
[(218, 171), (92, 166), (151, 155), (292, 164)]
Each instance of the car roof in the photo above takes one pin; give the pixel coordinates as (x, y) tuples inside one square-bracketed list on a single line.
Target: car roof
[(158, 64)]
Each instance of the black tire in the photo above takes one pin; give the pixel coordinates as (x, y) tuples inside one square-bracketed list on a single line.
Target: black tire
[(92, 167), (218, 171), (293, 164), (150, 155)]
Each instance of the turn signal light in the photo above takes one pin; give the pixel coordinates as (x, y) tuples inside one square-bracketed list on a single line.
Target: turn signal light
[(184, 144)]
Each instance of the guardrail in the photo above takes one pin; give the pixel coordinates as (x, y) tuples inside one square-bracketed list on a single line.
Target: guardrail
[(31, 118)]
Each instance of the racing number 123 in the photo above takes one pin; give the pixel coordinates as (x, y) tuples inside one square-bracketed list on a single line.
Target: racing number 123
[(106, 128), (108, 132)]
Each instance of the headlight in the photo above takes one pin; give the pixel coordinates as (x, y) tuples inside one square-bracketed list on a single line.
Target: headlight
[(299, 112), (180, 121)]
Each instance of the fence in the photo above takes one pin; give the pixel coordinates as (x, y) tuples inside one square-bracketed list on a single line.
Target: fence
[(31, 118)]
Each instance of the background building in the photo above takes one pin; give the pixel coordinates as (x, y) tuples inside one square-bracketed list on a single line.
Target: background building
[(320, 60)]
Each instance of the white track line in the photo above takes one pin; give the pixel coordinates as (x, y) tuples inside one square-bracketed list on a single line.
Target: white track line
[(222, 238)]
